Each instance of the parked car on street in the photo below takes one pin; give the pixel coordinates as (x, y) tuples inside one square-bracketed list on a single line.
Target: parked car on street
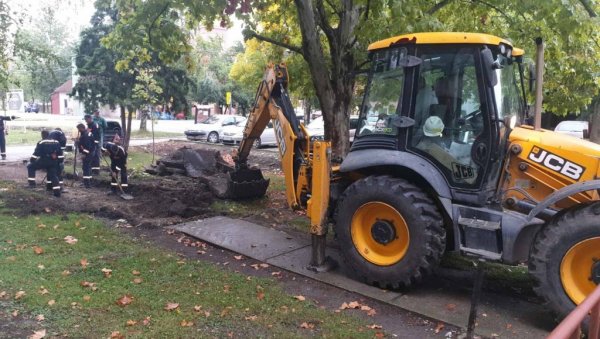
[(233, 135), (112, 128), (32, 107), (211, 129), (316, 128), (578, 129)]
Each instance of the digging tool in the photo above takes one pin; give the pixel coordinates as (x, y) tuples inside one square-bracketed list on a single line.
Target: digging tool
[(75, 173), (123, 195)]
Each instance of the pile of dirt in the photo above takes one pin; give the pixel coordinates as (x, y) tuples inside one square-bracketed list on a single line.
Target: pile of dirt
[(192, 162)]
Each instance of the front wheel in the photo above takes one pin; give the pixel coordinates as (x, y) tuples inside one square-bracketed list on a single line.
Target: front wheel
[(390, 232), (565, 258), (213, 137)]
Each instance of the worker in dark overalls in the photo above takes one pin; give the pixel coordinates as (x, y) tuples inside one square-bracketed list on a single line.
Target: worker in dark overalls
[(95, 130), (87, 149), (3, 133), (118, 164), (45, 157), (60, 136)]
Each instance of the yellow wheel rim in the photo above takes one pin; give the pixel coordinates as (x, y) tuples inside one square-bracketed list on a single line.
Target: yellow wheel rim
[(576, 269), (380, 233)]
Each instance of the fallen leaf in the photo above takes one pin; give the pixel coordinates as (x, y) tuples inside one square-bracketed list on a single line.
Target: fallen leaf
[(15, 313), (439, 327), (2, 294), (207, 314), (55, 226), (107, 272), (171, 306), (51, 302), (77, 223), (276, 274), (38, 250), (238, 257), (225, 311), (87, 284), (47, 209), (43, 291), (197, 308), (365, 308), (263, 265), (84, 263), (379, 335), (87, 298), (70, 240), (40, 266), (451, 307), (226, 288), (307, 325), (38, 334), (299, 297), (146, 321), (375, 327), (41, 226), (251, 317), (124, 300), (131, 322), (371, 312), (260, 295), (354, 304), (137, 280), (116, 335), (185, 323), (508, 326), (19, 295), (65, 273), (134, 272), (40, 317)]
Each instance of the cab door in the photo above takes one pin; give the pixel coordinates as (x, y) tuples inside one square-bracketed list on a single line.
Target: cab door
[(452, 126)]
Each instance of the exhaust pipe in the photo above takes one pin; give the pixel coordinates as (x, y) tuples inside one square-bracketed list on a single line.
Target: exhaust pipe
[(539, 80)]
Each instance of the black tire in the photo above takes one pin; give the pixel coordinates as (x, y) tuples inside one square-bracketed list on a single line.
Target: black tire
[(427, 236), (213, 137), (551, 244)]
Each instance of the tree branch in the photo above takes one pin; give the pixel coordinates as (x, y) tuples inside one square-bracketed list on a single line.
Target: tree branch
[(588, 8), (296, 49), (438, 6), (151, 27)]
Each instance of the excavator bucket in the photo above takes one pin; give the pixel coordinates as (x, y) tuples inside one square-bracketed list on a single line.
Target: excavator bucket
[(246, 183)]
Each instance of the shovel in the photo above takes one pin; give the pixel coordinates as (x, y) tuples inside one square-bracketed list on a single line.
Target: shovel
[(123, 195)]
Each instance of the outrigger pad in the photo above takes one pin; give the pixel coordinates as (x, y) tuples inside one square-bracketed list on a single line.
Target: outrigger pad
[(246, 183)]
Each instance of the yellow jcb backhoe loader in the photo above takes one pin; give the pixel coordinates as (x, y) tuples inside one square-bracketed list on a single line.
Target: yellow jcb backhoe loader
[(442, 160)]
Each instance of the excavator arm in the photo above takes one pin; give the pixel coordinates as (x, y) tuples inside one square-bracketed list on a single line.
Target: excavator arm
[(306, 165)]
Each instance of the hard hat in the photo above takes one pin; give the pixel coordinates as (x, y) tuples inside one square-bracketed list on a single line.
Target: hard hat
[(434, 126)]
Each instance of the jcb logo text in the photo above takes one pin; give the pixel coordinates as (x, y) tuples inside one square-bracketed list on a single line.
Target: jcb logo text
[(556, 163)]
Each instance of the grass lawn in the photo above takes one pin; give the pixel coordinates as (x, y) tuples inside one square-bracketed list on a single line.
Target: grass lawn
[(79, 287), (20, 136), (148, 134)]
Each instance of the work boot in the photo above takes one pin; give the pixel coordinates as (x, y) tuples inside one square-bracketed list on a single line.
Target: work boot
[(86, 183), (56, 192), (30, 183), (3, 157), (48, 186)]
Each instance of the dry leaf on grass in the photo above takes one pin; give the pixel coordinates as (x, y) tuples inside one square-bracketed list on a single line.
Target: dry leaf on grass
[(65, 273), (171, 306), (15, 313), (84, 263), (43, 291), (439, 327), (47, 210), (70, 240), (51, 302), (131, 322), (87, 298), (19, 295), (2, 294), (135, 272), (116, 335), (306, 325), (251, 317), (185, 323), (146, 321), (299, 297), (238, 257), (260, 295), (137, 281), (375, 327), (38, 250), (197, 308), (276, 274), (38, 334), (124, 300), (40, 317), (107, 272)]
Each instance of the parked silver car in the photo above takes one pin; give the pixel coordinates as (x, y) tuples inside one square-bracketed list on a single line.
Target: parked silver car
[(233, 135), (211, 129), (578, 129)]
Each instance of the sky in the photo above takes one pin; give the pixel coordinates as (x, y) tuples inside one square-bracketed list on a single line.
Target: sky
[(76, 15)]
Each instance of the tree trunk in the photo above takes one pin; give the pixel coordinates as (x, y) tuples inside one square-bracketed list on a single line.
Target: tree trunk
[(594, 127), (143, 120), (307, 109), (123, 124), (333, 83), (127, 137)]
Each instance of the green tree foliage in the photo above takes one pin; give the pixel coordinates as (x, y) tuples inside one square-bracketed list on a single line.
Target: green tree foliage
[(7, 21), (332, 36)]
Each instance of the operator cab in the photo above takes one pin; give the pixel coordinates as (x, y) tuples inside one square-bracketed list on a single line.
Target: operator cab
[(449, 99)]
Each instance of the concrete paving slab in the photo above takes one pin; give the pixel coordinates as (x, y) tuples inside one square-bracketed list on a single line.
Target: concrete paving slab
[(499, 315), (243, 237)]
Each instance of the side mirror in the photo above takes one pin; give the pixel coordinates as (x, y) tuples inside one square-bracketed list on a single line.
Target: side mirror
[(586, 133), (489, 69)]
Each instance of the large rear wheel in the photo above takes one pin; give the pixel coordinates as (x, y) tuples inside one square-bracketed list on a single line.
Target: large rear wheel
[(390, 232), (565, 258)]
